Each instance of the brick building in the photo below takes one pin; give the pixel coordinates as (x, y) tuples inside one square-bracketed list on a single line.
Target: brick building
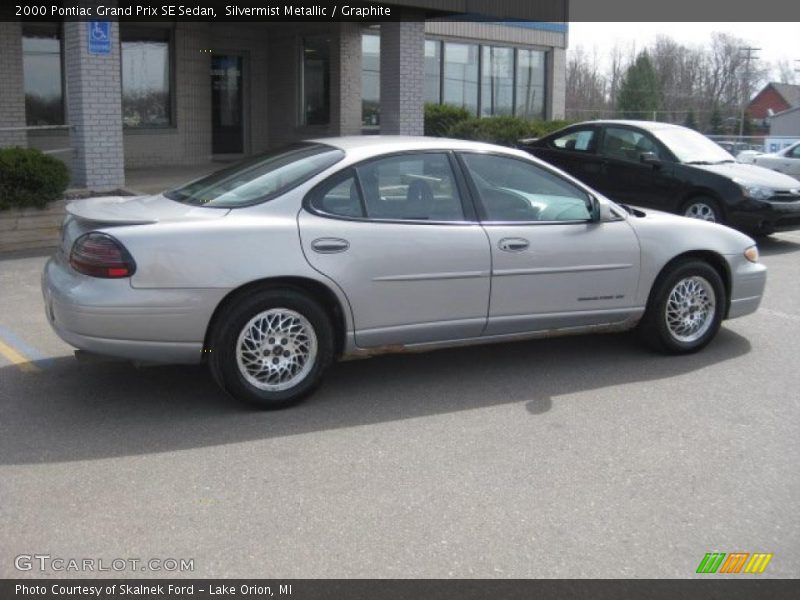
[(189, 92)]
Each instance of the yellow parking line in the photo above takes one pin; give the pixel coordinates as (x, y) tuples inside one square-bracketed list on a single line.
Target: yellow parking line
[(17, 358)]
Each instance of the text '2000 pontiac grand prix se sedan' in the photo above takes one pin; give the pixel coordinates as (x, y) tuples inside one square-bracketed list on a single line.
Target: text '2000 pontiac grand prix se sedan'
[(273, 268)]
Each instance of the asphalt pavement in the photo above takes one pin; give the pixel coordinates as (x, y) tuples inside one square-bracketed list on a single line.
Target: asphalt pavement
[(573, 457)]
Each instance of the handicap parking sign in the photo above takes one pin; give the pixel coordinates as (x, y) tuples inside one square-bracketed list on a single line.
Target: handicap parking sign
[(99, 37)]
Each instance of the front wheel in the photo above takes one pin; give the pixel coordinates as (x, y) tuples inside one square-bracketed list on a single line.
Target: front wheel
[(685, 309), (271, 348), (704, 209)]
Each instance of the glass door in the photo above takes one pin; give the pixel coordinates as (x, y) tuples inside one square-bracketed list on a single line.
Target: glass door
[(227, 131)]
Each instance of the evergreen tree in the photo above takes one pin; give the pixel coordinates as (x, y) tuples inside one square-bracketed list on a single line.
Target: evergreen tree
[(639, 93), (716, 122), (747, 126), (690, 121)]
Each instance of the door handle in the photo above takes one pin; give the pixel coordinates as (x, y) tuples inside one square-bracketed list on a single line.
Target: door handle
[(513, 244), (329, 245)]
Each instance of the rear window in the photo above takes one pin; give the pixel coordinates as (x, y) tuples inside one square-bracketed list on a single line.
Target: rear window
[(260, 178)]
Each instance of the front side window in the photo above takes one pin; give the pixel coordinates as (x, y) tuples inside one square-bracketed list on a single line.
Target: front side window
[(497, 81), (370, 80), (316, 77), (627, 144), (794, 152), (577, 140), (146, 78), (530, 84), (260, 178), (513, 190), (461, 76), (41, 63)]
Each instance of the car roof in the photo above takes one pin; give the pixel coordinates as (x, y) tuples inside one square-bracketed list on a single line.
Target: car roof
[(648, 125), (384, 144)]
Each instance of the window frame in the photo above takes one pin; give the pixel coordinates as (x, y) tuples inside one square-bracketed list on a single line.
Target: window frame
[(464, 192), (123, 31), (478, 202), (302, 117), (58, 29)]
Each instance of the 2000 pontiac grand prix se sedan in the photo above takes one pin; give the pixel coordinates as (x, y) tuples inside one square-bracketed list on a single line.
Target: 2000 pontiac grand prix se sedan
[(271, 269)]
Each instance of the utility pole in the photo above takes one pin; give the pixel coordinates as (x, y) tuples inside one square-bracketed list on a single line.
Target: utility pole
[(749, 55)]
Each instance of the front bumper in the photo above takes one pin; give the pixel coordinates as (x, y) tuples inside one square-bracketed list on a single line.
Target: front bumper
[(748, 281), (108, 316), (766, 217)]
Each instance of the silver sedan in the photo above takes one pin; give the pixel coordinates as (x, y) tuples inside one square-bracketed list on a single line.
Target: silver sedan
[(272, 269)]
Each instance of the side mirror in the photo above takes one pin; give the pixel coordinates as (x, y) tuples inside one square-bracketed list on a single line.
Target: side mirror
[(649, 158), (593, 206)]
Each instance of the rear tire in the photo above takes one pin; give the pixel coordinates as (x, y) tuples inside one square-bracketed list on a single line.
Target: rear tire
[(271, 348), (685, 308), (703, 208)]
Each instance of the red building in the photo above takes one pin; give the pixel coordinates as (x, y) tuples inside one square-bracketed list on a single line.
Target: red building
[(776, 97)]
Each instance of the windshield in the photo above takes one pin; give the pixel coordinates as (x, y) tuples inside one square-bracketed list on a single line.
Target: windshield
[(260, 178), (691, 147)]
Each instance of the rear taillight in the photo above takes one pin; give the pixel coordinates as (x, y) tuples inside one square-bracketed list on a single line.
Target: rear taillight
[(100, 255)]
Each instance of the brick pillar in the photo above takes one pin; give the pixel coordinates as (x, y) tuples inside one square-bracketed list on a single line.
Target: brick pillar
[(12, 85), (402, 77), (94, 101), (556, 66), (346, 79)]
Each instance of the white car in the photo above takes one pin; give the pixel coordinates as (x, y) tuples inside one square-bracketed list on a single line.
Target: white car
[(786, 161)]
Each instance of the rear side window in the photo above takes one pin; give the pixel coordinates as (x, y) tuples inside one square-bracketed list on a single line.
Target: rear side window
[(339, 196), (577, 140), (260, 178), (405, 187)]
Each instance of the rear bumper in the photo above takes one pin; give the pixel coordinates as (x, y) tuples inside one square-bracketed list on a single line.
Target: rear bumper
[(748, 281), (108, 316)]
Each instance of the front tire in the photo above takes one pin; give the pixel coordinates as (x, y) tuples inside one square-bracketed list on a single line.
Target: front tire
[(685, 309), (704, 209), (271, 348)]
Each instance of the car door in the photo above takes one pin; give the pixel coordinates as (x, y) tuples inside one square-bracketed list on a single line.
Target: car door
[(396, 235), (552, 267), (627, 178), (788, 161), (574, 151)]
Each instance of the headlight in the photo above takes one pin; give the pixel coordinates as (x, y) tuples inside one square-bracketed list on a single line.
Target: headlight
[(756, 192), (751, 254)]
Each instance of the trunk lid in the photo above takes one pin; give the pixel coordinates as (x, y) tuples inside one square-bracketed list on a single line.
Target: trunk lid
[(114, 211)]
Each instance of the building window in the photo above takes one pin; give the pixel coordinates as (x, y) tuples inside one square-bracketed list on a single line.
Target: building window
[(44, 85), (433, 71), (530, 84), (316, 80), (146, 78), (370, 80), (497, 81), (461, 76)]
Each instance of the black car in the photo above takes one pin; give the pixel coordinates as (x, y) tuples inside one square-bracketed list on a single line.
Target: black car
[(675, 169)]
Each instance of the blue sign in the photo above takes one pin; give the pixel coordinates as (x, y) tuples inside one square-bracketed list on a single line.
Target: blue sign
[(99, 37)]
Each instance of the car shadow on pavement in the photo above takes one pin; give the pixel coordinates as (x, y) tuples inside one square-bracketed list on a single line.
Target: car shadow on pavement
[(73, 411), (771, 246)]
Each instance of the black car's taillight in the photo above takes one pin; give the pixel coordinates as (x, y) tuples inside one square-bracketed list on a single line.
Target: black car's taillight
[(100, 255)]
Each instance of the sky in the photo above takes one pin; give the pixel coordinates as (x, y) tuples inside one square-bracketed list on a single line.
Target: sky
[(776, 40)]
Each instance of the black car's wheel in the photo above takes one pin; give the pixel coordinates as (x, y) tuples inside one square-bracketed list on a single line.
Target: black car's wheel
[(271, 348), (685, 309), (703, 208)]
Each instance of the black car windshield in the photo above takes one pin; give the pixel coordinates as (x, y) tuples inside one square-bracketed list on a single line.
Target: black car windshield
[(260, 178), (691, 147)]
